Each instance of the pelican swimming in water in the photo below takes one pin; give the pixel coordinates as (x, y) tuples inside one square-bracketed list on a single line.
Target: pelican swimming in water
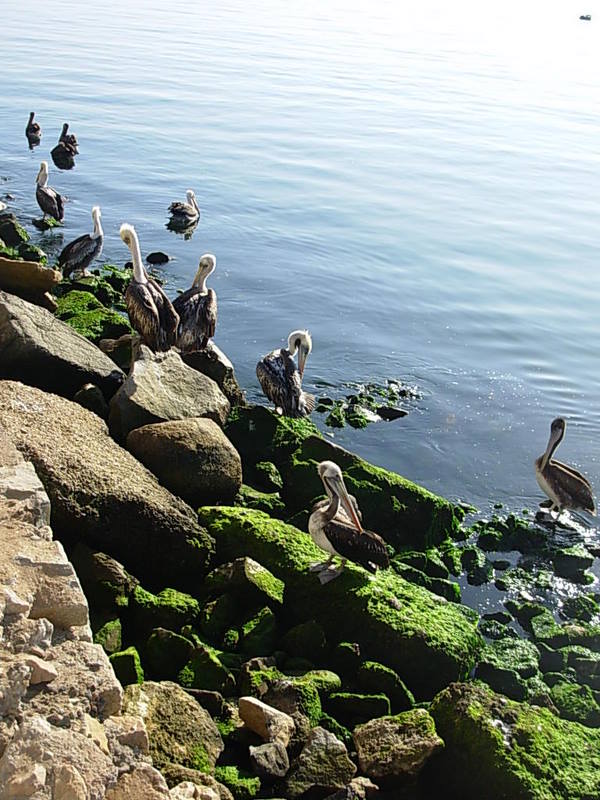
[(281, 379), (68, 139), (33, 132), (150, 310), (80, 253), (184, 214), (49, 200), (341, 533), (197, 309), (564, 485)]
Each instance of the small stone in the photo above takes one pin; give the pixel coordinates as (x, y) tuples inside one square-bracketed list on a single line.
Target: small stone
[(130, 731), (269, 761), (157, 257), (25, 784), (68, 784), (389, 413), (95, 731), (41, 671), (323, 766), (269, 723), (14, 604)]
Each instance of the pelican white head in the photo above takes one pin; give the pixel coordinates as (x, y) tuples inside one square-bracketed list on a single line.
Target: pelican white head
[(96, 215), (130, 237), (300, 341), (42, 176), (206, 266), (332, 478)]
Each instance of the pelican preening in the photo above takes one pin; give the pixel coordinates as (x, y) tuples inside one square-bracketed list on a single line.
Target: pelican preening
[(49, 200), (336, 528), (197, 309), (150, 310), (564, 485), (68, 139), (80, 253), (281, 379), (185, 214), (33, 132)]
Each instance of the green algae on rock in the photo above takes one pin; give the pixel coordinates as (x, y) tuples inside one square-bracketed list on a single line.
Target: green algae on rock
[(90, 318), (248, 580), (374, 677), (501, 750), (127, 666), (269, 502), (576, 703), (428, 641), (166, 653), (167, 609), (109, 636), (242, 785), (352, 708)]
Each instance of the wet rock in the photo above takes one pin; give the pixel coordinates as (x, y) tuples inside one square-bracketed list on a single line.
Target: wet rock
[(40, 350), (100, 493), (11, 233), (582, 607), (389, 413), (323, 766), (444, 588), (157, 257), (391, 749), (160, 387), (269, 723), (571, 563), (213, 363), (180, 731), (269, 761), (191, 457), (505, 665)]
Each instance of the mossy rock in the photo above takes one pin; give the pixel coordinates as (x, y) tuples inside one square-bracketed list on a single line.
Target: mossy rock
[(510, 533), (477, 566), (333, 726), (76, 302), (248, 580), (11, 233), (110, 636), (30, 252), (258, 634), (324, 680), (295, 695), (204, 670), (499, 749), (345, 658), (117, 277), (440, 586), (95, 285), (551, 660), (306, 639), (242, 785), (353, 709), (86, 314), (374, 677), (427, 641), (168, 609), (450, 555), (266, 476), (402, 512), (430, 562), (576, 703), (571, 562), (582, 607), (127, 666), (506, 664), (218, 616), (166, 653), (271, 503)]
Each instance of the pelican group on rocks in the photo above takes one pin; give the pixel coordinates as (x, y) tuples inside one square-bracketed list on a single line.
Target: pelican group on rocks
[(49, 200), (564, 485), (33, 131), (185, 214), (150, 311), (80, 253), (335, 527), (197, 309), (281, 379)]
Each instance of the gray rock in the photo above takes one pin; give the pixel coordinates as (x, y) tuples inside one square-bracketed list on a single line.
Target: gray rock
[(100, 494), (269, 761), (28, 279), (40, 350), (191, 457), (213, 363), (11, 233), (161, 387), (90, 397), (175, 773), (322, 765)]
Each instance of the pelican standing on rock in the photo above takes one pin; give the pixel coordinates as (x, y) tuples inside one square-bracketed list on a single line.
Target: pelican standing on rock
[(564, 485), (197, 309), (68, 139), (49, 200), (184, 214), (33, 132), (281, 379), (337, 529), (80, 253), (150, 310)]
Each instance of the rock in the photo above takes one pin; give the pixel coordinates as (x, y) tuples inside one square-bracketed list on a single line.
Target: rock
[(41, 671), (322, 765), (168, 609), (205, 670), (180, 731), (294, 696), (374, 677), (269, 761), (576, 703), (306, 639), (11, 233), (241, 785), (40, 350), (142, 782), (90, 318), (358, 789), (68, 784), (31, 252), (426, 640), (269, 723), (26, 783), (247, 580), (129, 731), (161, 387), (13, 604), (258, 634), (506, 663), (106, 583), (191, 791), (90, 397), (157, 257), (213, 702), (353, 709), (390, 413), (391, 749), (166, 654), (213, 363), (127, 666), (121, 350), (571, 562), (28, 279), (174, 774), (496, 748), (99, 493), (191, 457)]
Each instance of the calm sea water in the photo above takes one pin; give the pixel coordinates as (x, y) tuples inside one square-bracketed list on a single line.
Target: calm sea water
[(418, 183)]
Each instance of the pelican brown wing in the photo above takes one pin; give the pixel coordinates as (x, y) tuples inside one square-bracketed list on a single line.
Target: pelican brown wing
[(151, 314), (79, 253), (363, 547), (197, 318), (571, 487)]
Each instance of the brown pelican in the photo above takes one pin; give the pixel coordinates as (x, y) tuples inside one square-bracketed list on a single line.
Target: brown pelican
[(48, 199), (197, 309), (150, 310), (281, 380), (68, 139), (80, 253), (564, 485), (33, 132), (184, 214), (341, 534)]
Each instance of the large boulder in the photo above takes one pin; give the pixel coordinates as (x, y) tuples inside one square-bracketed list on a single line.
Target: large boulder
[(499, 749), (28, 279), (100, 494), (180, 731), (40, 350), (426, 640), (161, 387), (191, 457), (214, 363), (323, 766)]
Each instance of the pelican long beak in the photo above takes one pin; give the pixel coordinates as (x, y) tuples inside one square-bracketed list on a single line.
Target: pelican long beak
[(302, 356), (338, 488)]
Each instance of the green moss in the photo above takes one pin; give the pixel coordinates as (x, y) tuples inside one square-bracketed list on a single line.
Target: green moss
[(374, 677), (354, 709), (428, 642), (582, 607), (356, 417), (242, 785), (75, 303), (30, 252), (11, 233), (169, 609), (324, 680), (248, 580), (440, 586), (576, 703), (266, 476), (47, 223), (204, 670), (166, 653), (219, 615), (261, 501), (571, 562), (499, 749), (333, 726), (109, 636), (198, 759), (259, 633), (336, 417), (116, 277), (306, 639), (127, 666)]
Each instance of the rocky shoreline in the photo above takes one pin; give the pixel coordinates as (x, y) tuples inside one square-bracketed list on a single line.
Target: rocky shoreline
[(183, 511)]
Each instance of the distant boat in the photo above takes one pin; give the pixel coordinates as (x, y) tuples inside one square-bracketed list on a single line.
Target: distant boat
[(586, 17)]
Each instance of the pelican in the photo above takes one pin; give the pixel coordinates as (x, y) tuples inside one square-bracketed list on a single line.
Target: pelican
[(150, 310), (33, 132), (281, 380), (185, 214), (341, 534), (68, 139), (80, 253), (564, 485), (197, 309), (48, 199)]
